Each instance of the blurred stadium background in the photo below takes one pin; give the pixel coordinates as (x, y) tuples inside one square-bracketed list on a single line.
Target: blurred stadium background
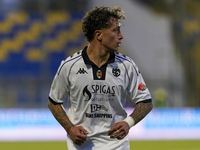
[(162, 37)]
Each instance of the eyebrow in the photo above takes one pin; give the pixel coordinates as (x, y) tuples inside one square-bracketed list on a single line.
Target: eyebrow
[(118, 26)]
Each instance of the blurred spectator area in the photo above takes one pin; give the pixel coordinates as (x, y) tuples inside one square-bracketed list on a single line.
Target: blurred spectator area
[(32, 45), (185, 16), (42, 6)]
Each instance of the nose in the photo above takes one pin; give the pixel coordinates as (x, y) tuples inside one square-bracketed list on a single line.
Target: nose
[(120, 36)]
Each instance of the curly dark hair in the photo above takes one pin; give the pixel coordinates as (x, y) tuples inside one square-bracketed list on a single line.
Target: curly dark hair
[(99, 18)]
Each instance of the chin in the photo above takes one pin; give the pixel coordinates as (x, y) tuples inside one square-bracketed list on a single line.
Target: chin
[(113, 49)]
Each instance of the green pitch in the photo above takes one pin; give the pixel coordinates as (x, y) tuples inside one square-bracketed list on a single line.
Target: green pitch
[(135, 145)]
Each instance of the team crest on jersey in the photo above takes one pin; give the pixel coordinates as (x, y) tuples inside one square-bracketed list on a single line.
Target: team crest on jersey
[(141, 87), (99, 74), (116, 72)]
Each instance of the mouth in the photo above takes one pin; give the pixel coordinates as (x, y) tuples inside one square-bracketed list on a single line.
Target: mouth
[(118, 44)]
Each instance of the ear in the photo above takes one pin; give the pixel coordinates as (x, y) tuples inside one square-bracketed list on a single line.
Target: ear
[(98, 35)]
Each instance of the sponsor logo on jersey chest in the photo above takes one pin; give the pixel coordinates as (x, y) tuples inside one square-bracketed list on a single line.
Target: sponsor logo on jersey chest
[(103, 92), (97, 107)]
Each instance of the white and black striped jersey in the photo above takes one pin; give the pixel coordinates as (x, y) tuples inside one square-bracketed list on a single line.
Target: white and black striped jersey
[(97, 96)]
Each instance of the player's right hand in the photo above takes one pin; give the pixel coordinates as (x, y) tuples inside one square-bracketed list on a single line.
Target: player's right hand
[(78, 135)]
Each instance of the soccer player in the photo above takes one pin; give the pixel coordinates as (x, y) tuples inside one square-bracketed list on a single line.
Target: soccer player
[(97, 80)]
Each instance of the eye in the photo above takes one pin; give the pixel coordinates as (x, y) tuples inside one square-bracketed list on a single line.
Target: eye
[(117, 30)]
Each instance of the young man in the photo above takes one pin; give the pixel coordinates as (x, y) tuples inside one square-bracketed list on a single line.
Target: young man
[(97, 80)]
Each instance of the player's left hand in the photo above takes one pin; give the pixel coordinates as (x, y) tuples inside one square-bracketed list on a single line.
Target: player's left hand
[(119, 130)]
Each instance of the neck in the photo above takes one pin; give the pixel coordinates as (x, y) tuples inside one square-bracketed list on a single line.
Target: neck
[(97, 55)]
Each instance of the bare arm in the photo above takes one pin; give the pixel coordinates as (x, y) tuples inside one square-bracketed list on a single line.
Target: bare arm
[(77, 133), (141, 110), (59, 113)]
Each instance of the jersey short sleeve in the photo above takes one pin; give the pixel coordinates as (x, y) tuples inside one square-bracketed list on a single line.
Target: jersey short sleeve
[(60, 85), (137, 88)]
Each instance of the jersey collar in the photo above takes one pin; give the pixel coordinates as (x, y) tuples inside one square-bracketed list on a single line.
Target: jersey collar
[(88, 61)]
